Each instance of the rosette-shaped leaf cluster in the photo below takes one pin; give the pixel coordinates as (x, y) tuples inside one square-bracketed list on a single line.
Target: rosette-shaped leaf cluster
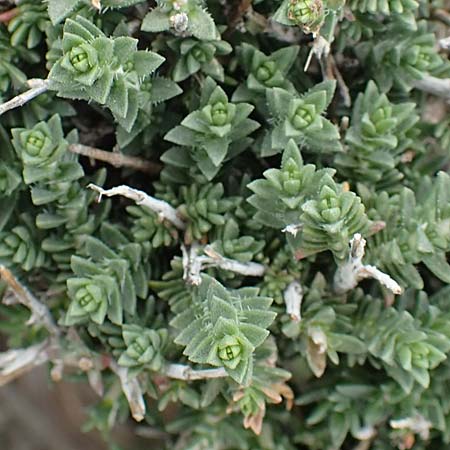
[(309, 15), (417, 230), (300, 118), (264, 72), (231, 244), (217, 130), (106, 283), (183, 17), (280, 196), (379, 134), (194, 55), (144, 347), (223, 328), (148, 228), (329, 221), (107, 70), (407, 347), (29, 24), (281, 271), (203, 207), (399, 57), (20, 246)]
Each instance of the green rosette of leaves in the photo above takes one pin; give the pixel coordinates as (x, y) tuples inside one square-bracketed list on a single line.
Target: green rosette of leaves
[(280, 195), (217, 130), (223, 328), (198, 56), (301, 118), (143, 347), (107, 70), (329, 221), (264, 72)]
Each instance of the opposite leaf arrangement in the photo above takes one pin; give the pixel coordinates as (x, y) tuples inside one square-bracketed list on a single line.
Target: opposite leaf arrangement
[(231, 219)]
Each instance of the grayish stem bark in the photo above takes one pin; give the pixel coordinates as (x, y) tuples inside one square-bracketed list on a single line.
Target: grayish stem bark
[(37, 87)]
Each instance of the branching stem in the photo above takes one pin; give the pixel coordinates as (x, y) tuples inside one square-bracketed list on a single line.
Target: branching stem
[(160, 207), (435, 86), (182, 372), (37, 87), (353, 271), (116, 159)]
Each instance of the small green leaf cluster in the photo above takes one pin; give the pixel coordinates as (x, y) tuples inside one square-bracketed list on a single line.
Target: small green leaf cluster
[(300, 118), (106, 283), (109, 71), (223, 328), (195, 55), (416, 231), (28, 26), (143, 347), (216, 131), (379, 134)]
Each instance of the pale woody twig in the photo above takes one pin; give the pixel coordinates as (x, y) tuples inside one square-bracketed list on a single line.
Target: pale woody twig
[(293, 296), (417, 424), (436, 86), (39, 312), (37, 87), (182, 372), (193, 264), (353, 271), (214, 259), (160, 207), (132, 390), (116, 159), (292, 228)]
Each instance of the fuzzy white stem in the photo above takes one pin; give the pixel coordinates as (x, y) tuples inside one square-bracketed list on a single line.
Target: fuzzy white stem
[(444, 43), (193, 264), (115, 158), (162, 208), (417, 424), (353, 271), (182, 372), (214, 259), (435, 86), (293, 296), (39, 312), (37, 87), (132, 390)]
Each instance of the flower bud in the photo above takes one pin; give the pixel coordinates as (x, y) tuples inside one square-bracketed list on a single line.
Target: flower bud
[(79, 59), (303, 117), (219, 114), (308, 13)]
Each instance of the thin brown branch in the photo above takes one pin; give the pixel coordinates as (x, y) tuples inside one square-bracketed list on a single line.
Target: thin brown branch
[(442, 15), (116, 159), (39, 312)]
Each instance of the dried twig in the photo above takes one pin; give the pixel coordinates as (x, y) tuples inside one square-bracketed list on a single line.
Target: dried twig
[(37, 87), (436, 86), (116, 159), (293, 296), (193, 264), (353, 271), (444, 43), (39, 312), (182, 372), (132, 390), (162, 208)]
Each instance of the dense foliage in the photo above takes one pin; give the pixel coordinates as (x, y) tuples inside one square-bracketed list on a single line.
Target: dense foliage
[(262, 159)]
